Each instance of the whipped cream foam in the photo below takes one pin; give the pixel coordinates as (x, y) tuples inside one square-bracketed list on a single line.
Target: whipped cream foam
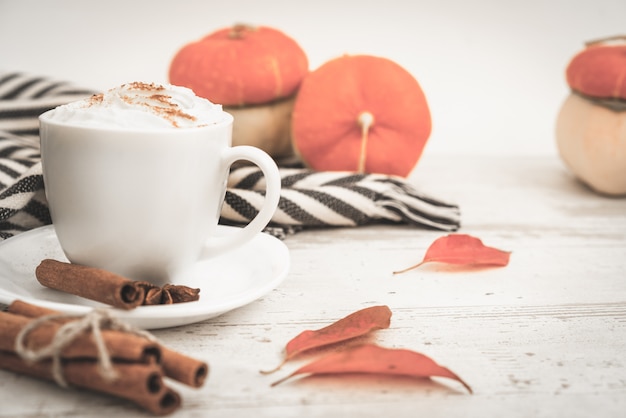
[(141, 106)]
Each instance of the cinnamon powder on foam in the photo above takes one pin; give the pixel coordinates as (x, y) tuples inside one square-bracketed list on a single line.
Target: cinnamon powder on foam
[(168, 110)]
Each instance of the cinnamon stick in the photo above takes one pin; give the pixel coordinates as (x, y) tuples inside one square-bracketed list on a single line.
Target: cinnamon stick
[(120, 345), (182, 368), (91, 283), (139, 383), (19, 307)]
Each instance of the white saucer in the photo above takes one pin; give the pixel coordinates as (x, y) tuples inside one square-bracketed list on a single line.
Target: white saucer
[(226, 282)]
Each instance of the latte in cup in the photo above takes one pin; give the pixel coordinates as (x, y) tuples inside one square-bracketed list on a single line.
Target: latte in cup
[(141, 106), (135, 179)]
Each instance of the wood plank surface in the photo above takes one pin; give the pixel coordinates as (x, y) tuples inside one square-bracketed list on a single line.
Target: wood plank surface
[(542, 337)]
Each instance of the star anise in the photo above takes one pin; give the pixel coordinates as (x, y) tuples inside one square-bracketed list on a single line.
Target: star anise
[(168, 294)]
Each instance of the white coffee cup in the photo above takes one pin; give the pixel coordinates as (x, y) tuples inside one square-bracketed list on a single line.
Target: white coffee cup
[(145, 202)]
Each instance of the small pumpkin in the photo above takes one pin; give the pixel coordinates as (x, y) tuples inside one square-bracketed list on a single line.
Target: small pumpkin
[(591, 124), (361, 113), (254, 72), (265, 126)]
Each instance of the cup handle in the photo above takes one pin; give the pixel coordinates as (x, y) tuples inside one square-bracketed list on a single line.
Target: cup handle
[(267, 165)]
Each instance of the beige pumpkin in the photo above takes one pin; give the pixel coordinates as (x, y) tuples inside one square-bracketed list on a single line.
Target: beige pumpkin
[(591, 139), (266, 126), (591, 126)]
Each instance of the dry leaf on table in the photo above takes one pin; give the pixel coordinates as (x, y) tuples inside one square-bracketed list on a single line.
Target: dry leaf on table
[(462, 249), (373, 359), (354, 325)]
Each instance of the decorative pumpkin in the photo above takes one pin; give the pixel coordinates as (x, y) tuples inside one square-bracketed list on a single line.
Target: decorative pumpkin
[(254, 72), (241, 65), (361, 113), (591, 125), (265, 126)]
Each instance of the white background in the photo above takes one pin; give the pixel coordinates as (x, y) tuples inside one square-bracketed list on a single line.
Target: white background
[(492, 70)]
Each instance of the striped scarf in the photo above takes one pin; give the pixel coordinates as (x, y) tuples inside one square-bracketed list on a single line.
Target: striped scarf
[(308, 198)]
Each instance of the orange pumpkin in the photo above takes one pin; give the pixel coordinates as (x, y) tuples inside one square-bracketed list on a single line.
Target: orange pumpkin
[(360, 113), (591, 125), (598, 71), (241, 65)]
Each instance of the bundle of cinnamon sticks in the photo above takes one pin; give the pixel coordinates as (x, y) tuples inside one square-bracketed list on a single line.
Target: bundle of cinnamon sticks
[(139, 364)]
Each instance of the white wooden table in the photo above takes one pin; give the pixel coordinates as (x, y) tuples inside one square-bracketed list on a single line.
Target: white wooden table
[(542, 337)]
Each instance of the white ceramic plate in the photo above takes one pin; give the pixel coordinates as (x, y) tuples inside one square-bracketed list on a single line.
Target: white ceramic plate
[(226, 282)]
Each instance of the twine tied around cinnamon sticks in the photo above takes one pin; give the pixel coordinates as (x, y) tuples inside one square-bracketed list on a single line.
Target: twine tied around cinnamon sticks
[(95, 351), (94, 321)]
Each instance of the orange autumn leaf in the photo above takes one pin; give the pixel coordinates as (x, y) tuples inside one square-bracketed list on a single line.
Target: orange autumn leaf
[(373, 359), (462, 249), (354, 325)]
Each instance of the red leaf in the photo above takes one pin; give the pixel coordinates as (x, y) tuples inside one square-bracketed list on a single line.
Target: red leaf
[(462, 249), (354, 325), (373, 359)]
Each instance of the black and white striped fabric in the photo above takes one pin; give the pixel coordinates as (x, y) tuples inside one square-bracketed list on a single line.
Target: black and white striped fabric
[(308, 198), (332, 198), (22, 99)]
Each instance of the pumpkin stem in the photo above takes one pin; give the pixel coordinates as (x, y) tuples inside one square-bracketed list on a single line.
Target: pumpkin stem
[(607, 39), (365, 120), (239, 30)]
